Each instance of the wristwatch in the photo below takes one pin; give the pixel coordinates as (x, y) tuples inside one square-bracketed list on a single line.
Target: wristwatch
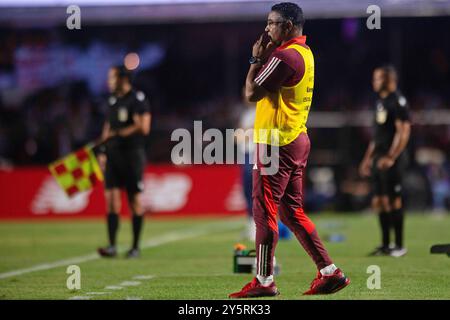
[(254, 60)]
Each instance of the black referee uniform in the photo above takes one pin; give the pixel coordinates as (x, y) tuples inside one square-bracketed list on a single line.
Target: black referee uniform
[(125, 155), (389, 182), (387, 111), (125, 163)]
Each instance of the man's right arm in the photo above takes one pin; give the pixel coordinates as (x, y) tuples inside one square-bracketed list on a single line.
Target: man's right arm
[(106, 134), (364, 168)]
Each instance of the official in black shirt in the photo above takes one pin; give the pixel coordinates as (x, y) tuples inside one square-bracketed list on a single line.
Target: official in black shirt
[(126, 126), (385, 158)]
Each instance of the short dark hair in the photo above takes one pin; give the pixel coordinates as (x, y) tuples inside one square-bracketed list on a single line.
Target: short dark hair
[(390, 70), (123, 72), (290, 11)]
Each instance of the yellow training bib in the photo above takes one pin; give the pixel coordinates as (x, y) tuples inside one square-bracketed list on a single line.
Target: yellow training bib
[(281, 116)]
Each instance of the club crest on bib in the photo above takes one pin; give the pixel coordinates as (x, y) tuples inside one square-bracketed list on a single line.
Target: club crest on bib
[(381, 114), (122, 114)]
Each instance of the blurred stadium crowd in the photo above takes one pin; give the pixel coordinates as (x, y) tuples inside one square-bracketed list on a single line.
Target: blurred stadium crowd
[(53, 93)]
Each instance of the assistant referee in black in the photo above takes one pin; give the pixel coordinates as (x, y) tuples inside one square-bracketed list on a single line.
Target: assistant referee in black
[(385, 159), (123, 155)]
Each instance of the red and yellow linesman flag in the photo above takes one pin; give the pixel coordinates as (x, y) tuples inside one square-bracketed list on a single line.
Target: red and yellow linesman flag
[(78, 171)]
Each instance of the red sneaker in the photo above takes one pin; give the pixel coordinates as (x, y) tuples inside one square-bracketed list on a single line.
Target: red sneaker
[(256, 289), (328, 284), (107, 252)]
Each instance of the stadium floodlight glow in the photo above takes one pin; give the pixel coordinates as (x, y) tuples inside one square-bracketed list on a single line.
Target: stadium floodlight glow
[(131, 61)]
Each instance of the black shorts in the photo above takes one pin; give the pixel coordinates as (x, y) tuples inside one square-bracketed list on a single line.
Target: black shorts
[(388, 182), (125, 169)]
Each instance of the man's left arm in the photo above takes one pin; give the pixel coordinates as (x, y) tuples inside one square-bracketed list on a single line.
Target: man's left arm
[(402, 129), (401, 137)]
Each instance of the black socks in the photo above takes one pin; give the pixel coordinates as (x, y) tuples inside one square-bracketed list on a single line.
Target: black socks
[(397, 222), (392, 219), (113, 225), (137, 227), (385, 223)]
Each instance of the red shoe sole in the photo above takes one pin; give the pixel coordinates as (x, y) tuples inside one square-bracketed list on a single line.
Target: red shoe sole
[(346, 283), (257, 295), (342, 286)]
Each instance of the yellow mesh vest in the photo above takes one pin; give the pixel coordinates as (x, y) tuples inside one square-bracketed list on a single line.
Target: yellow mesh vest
[(281, 116)]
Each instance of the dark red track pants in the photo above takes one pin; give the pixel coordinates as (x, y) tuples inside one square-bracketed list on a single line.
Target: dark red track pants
[(282, 193)]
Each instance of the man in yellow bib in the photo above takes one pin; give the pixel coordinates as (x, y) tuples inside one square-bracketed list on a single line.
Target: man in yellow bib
[(281, 81)]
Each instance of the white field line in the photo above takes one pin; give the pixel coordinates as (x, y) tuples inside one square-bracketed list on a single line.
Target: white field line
[(124, 284), (80, 298), (143, 277), (130, 283), (151, 243), (113, 288), (97, 293)]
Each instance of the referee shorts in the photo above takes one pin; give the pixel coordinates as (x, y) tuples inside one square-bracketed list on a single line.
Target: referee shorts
[(125, 169), (388, 182)]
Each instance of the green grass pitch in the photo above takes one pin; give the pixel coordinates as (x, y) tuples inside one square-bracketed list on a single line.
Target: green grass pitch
[(192, 259)]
